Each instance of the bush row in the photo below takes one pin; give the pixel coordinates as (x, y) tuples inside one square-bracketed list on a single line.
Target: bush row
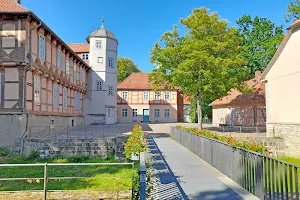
[(251, 146)]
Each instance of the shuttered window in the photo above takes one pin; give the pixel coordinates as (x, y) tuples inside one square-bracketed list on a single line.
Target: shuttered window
[(65, 97), (67, 66), (37, 90), (75, 73), (59, 59), (81, 75), (42, 46), (55, 96), (77, 101)]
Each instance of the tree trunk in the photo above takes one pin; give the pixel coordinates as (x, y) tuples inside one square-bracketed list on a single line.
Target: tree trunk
[(199, 110)]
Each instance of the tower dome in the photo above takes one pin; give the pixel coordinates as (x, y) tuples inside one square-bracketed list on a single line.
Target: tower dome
[(101, 33)]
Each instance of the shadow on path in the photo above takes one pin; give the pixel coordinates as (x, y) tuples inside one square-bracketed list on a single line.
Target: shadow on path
[(165, 184)]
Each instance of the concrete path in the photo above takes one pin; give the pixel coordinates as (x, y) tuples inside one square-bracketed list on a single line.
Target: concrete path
[(179, 174)]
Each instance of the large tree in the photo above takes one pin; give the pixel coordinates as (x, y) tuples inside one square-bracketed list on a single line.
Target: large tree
[(126, 67), (261, 39), (205, 62), (293, 11)]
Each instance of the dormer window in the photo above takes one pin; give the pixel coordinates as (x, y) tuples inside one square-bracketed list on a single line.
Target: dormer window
[(85, 56)]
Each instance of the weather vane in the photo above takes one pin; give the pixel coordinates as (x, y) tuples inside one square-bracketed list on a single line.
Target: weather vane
[(102, 22)]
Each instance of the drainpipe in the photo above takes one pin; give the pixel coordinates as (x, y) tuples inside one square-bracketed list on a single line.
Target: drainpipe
[(25, 85)]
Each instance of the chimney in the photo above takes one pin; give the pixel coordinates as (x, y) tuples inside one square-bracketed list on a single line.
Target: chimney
[(17, 1), (257, 75)]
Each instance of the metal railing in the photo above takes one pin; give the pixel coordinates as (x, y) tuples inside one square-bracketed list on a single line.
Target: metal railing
[(143, 179), (75, 132), (238, 129), (46, 178), (263, 176)]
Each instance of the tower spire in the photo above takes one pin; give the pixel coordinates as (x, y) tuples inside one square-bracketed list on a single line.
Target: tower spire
[(102, 22)]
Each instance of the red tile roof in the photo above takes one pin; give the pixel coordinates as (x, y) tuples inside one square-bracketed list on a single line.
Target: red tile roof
[(186, 100), (80, 48), (10, 6), (235, 96), (137, 80)]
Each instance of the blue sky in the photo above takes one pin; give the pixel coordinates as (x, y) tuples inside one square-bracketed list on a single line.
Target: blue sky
[(137, 24)]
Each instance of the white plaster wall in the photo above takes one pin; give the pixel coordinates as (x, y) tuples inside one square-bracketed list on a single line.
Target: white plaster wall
[(97, 102), (219, 115), (282, 88)]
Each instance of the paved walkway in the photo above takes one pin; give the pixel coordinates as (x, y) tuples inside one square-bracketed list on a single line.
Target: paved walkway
[(179, 174)]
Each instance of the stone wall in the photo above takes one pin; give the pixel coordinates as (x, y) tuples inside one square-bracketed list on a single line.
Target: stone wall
[(12, 127), (274, 145), (40, 126), (52, 147), (291, 135)]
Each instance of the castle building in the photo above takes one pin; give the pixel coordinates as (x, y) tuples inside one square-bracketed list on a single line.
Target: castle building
[(101, 53), (45, 83)]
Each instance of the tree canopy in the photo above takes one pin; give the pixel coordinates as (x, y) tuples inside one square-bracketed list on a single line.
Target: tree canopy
[(205, 62), (293, 11), (261, 38), (126, 67)]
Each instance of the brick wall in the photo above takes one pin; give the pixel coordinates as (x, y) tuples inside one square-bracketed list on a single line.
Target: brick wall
[(101, 147)]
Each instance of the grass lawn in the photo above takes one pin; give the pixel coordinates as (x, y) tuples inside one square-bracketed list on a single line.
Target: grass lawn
[(295, 161), (113, 177)]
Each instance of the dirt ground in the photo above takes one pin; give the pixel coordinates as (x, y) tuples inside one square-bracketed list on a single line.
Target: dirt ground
[(67, 195)]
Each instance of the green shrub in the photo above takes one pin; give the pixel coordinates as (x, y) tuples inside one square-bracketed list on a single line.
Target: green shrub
[(4, 152), (136, 142), (251, 146), (34, 155)]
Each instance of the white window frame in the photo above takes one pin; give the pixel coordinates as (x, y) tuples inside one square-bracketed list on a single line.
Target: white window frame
[(124, 112), (75, 73), (59, 59), (42, 46), (85, 56), (67, 66), (99, 44), (110, 62), (156, 95), (167, 113), (146, 94), (100, 60), (37, 89), (134, 112), (65, 98), (125, 95), (156, 112), (99, 85), (110, 90), (167, 96), (55, 95)]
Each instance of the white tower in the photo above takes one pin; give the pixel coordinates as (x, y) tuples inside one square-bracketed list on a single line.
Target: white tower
[(100, 103)]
